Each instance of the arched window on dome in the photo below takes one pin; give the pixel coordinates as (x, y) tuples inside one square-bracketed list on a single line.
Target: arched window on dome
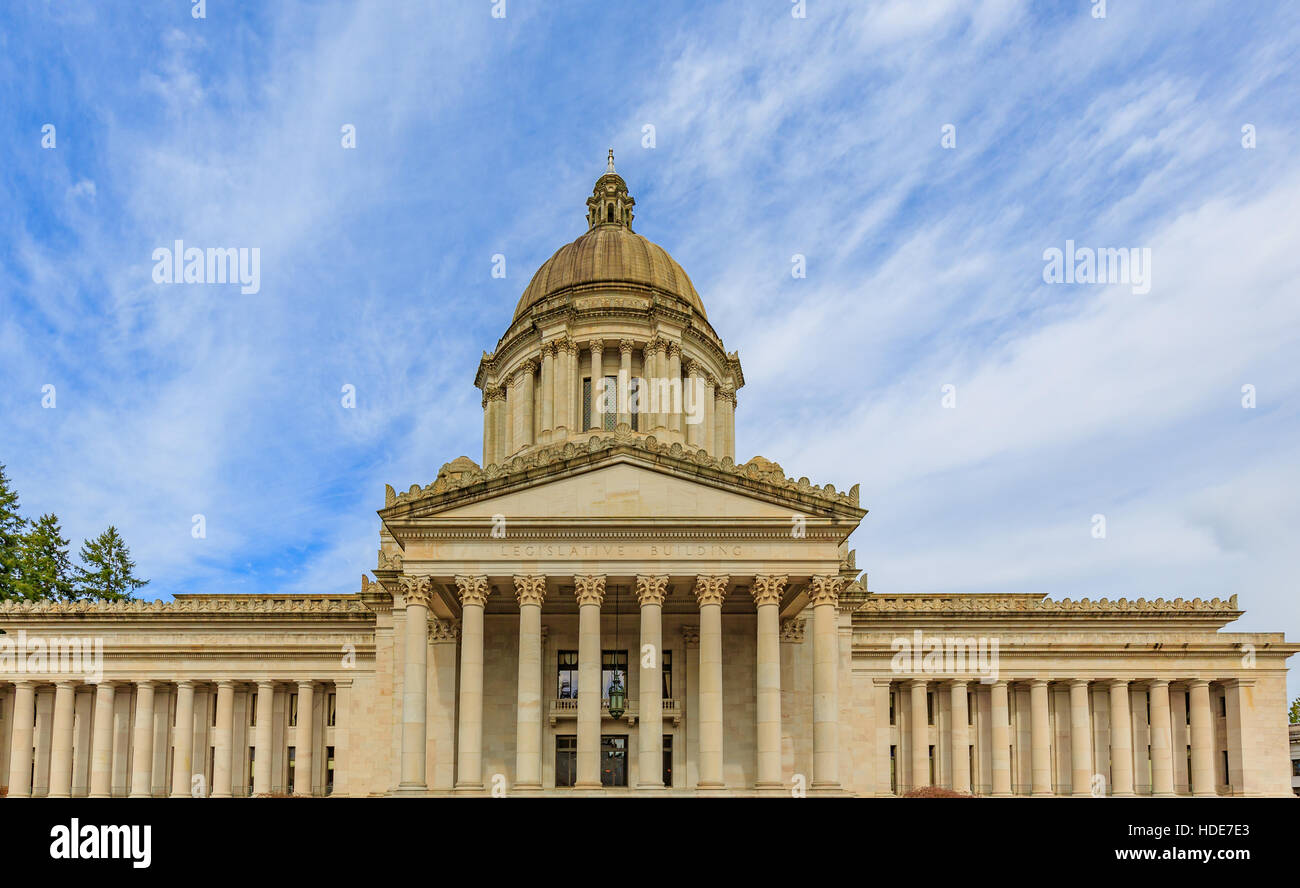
[(609, 213)]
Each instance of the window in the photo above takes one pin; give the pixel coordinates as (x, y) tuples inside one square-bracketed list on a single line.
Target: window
[(970, 754), (566, 760), (932, 764), (1226, 779), (214, 710), (329, 710), (611, 403), (1223, 707), (1295, 767), (970, 708), (566, 681), (929, 707), (613, 760), (668, 759), (329, 770), (293, 761), (252, 765), (609, 213), (634, 401), (893, 769), (252, 709), (612, 662), (668, 674), (293, 710), (891, 707), (586, 403), (1187, 706)]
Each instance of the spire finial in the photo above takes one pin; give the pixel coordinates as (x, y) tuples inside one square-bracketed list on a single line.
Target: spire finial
[(609, 168)]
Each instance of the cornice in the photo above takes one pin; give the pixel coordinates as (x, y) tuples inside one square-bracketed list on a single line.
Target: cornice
[(962, 604), (193, 605)]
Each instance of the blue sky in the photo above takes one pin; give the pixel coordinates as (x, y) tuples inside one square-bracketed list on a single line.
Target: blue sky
[(773, 136)]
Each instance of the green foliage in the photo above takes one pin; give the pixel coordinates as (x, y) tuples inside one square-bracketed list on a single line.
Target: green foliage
[(11, 534), (34, 562), (106, 571), (1295, 711), (45, 570)]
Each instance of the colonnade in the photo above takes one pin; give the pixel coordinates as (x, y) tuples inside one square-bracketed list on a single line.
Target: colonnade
[(1120, 736), (96, 733), (589, 591), (515, 417)]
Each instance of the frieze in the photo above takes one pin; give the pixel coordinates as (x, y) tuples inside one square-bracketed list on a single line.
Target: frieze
[(971, 603)]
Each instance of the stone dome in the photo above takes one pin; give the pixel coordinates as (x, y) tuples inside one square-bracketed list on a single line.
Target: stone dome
[(610, 253)]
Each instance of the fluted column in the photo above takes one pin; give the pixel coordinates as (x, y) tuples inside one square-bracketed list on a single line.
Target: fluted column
[(511, 405), (304, 760), (625, 348), (1162, 761), (183, 744), (920, 724), (101, 742), (708, 428), (1121, 739), (222, 739), (567, 362), (1001, 739), (823, 596), (650, 592), (709, 593), (1040, 740), (656, 376), (262, 737), (548, 392), (489, 428), (473, 592), (960, 736), (1203, 783), (1080, 739), (415, 683), (524, 421), (694, 391), (724, 422), (674, 407), (20, 744), (65, 695), (597, 373), (767, 598), (530, 592), (142, 744), (590, 592), (500, 423)]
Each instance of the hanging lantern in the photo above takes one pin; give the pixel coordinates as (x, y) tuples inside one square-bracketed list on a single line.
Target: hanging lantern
[(617, 696)]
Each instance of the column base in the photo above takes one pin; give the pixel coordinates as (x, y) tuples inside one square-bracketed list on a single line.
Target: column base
[(1123, 795), (468, 788), (1164, 795), (651, 787), (411, 789)]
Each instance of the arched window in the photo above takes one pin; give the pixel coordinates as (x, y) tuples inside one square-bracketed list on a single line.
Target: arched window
[(609, 214)]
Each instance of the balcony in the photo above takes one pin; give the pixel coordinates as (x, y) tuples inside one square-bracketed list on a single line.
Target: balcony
[(567, 708)]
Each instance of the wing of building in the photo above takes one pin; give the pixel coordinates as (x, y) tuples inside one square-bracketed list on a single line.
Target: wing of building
[(611, 603)]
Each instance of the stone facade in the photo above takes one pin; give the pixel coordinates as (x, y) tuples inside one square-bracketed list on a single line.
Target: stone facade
[(610, 541)]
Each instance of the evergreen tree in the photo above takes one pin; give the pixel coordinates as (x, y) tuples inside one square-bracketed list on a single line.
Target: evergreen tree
[(11, 533), (106, 571), (45, 570)]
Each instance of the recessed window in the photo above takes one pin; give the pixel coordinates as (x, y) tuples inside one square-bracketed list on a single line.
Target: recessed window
[(566, 760), (293, 710), (329, 710), (329, 770), (612, 663), (613, 760), (668, 674), (668, 759), (567, 676)]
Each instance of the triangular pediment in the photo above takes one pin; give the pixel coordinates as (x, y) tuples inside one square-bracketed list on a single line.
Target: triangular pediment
[(622, 490), (636, 480)]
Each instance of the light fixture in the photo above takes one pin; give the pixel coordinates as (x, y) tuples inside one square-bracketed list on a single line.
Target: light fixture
[(617, 693)]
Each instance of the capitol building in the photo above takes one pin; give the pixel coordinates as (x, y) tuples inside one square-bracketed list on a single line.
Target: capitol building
[(610, 603)]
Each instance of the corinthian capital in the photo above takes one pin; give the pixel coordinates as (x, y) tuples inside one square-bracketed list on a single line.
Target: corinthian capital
[(767, 590), (711, 590), (626, 346), (651, 590), (417, 590), (589, 590), (530, 590), (548, 349), (441, 631), (824, 590), (473, 590)]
